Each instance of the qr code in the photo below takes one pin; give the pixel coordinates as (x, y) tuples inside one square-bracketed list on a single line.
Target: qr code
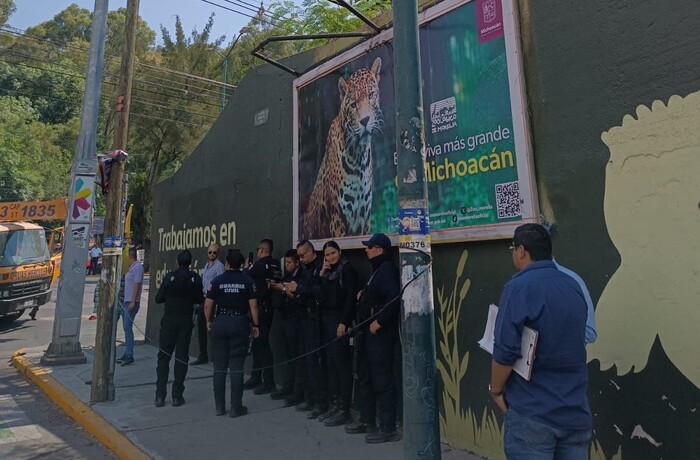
[(508, 200)]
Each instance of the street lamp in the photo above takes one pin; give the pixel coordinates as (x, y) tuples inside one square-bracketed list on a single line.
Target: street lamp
[(243, 30)]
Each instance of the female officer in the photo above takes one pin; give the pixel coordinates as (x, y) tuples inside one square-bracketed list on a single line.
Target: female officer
[(338, 291), (233, 293)]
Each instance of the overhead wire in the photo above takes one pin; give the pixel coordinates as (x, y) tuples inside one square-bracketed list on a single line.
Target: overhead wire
[(189, 85), (102, 97), (108, 75), (20, 32)]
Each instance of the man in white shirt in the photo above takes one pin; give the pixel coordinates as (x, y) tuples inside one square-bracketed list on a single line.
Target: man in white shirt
[(133, 281), (212, 269), (95, 253)]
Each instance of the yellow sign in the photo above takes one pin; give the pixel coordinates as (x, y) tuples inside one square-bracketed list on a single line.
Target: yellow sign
[(33, 210)]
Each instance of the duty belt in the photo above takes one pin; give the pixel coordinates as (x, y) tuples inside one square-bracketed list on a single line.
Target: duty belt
[(224, 312)]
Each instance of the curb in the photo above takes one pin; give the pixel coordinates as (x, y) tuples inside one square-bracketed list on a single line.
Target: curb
[(93, 423)]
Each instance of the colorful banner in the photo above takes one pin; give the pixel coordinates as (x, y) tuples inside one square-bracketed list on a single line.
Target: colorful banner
[(33, 210), (477, 163), (83, 191)]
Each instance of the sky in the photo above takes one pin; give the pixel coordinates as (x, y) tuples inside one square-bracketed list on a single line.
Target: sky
[(193, 13)]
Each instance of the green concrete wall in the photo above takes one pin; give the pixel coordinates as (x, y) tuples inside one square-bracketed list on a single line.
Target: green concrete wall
[(624, 210)]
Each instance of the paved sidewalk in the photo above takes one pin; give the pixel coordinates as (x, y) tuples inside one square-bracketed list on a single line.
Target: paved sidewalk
[(269, 431)]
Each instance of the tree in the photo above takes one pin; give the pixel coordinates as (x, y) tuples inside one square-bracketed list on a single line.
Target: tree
[(32, 159), (7, 7), (51, 92)]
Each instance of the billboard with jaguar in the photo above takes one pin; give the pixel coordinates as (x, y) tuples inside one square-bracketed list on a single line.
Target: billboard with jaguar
[(477, 155)]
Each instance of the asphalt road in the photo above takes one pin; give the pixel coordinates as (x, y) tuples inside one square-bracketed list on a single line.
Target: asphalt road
[(31, 427)]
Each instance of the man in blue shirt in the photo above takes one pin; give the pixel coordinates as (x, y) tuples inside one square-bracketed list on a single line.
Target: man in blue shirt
[(591, 332), (548, 416)]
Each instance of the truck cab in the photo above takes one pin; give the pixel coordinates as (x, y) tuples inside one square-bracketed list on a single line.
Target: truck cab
[(25, 268)]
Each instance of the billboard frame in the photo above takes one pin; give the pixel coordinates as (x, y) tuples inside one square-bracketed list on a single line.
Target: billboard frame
[(521, 129)]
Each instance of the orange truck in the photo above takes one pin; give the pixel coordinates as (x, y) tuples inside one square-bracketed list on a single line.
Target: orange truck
[(26, 268)]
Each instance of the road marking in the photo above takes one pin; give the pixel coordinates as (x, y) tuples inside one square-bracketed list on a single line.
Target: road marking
[(15, 426)]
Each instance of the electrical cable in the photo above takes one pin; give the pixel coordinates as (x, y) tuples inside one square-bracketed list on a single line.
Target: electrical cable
[(215, 95), (136, 88), (14, 31)]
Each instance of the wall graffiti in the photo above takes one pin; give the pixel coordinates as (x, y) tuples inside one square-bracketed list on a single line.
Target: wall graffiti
[(461, 427), (651, 209)]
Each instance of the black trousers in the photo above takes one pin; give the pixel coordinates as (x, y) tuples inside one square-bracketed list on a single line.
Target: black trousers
[(229, 336), (310, 328), (295, 378), (364, 393), (262, 354), (338, 361), (202, 338), (175, 335), (380, 356)]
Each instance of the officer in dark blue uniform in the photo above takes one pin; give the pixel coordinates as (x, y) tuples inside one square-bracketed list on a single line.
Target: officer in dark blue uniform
[(233, 294), (305, 289), (381, 297), (179, 290), (294, 387), (262, 271)]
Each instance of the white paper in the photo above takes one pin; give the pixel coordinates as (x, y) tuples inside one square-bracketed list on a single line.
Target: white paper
[(523, 366)]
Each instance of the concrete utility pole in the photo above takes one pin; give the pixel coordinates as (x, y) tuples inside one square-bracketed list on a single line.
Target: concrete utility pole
[(65, 345), (111, 269), (421, 426)]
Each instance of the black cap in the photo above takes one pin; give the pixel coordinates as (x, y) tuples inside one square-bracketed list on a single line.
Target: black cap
[(378, 239)]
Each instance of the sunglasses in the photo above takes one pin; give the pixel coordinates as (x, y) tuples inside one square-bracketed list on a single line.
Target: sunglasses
[(212, 252)]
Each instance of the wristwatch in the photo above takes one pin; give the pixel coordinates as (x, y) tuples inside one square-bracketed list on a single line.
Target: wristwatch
[(495, 393)]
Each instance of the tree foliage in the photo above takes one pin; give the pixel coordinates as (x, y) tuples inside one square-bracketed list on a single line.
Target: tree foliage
[(7, 7), (175, 98)]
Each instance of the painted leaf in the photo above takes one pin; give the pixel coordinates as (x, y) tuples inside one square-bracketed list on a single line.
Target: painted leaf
[(462, 263), (465, 288)]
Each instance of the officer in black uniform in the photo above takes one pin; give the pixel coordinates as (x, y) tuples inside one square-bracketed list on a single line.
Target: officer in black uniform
[(180, 290), (233, 294), (263, 270), (306, 289), (381, 297), (295, 386)]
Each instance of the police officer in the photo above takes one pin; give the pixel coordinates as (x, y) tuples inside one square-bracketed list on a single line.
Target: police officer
[(263, 270), (294, 387), (233, 294), (305, 288), (179, 290), (381, 297), (338, 292)]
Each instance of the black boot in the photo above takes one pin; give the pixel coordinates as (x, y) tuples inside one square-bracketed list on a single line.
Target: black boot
[(332, 410), (220, 403), (305, 406), (341, 417), (318, 410), (360, 427)]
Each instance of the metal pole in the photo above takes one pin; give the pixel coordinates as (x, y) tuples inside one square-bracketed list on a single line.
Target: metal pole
[(111, 271), (65, 345), (421, 426)]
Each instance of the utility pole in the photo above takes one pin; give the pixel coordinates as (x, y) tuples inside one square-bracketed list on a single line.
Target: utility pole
[(111, 271), (65, 345), (421, 426)]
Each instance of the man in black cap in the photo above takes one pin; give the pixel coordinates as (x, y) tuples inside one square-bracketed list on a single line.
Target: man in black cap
[(180, 290), (380, 300)]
